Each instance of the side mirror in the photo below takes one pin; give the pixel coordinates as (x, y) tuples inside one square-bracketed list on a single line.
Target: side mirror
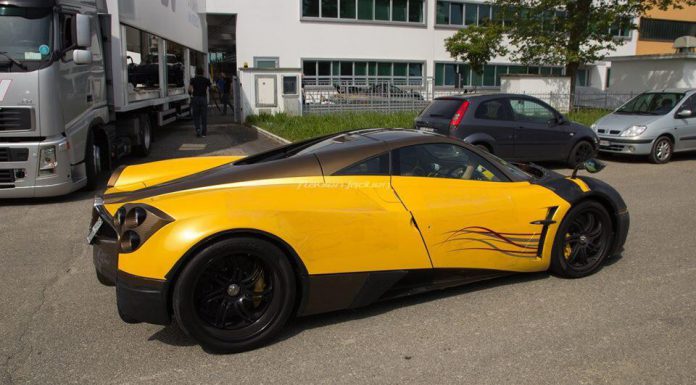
[(82, 56), (591, 165), (685, 113), (83, 31)]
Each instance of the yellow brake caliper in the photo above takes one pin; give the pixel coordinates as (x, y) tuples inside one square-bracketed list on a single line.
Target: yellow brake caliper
[(567, 250)]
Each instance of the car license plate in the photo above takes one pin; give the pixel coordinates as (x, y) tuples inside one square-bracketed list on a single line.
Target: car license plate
[(426, 129), (95, 228), (604, 143)]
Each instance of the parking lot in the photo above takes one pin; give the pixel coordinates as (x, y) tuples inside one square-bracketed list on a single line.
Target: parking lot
[(631, 323)]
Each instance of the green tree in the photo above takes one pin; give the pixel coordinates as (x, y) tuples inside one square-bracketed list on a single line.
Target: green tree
[(560, 32)]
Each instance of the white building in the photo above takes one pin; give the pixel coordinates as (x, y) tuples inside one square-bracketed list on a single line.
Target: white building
[(360, 41)]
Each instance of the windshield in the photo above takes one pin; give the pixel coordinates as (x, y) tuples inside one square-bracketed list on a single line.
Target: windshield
[(442, 108), (651, 103), (25, 37)]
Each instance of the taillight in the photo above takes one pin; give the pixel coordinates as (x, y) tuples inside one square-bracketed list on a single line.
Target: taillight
[(457, 117)]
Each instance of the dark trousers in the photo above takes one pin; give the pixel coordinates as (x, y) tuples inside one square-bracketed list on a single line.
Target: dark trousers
[(199, 113), (226, 102)]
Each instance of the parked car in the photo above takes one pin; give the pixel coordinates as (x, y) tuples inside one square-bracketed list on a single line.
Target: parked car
[(376, 93), (233, 247), (656, 124), (513, 127), (147, 72)]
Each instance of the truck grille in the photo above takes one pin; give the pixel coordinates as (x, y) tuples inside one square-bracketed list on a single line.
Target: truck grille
[(13, 154), (7, 176), (15, 119)]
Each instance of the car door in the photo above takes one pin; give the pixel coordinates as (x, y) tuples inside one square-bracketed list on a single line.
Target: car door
[(357, 223), (493, 125), (538, 135), (686, 126), (470, 214)]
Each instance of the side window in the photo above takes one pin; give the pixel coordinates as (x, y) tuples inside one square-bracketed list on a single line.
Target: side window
[(526, 110), (492, 110), (444, 160), (690, 104), (377, 165), (67, 31)]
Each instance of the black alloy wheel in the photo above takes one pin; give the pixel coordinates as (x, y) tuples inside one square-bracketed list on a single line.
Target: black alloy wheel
[(583, 241), (235, 295), (581, 152)]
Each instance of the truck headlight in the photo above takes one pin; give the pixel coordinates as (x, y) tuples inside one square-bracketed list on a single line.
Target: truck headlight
[(634, 131), (47, 160), (136, 223)]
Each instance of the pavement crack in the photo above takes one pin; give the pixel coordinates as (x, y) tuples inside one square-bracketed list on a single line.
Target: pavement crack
[(19, 353)]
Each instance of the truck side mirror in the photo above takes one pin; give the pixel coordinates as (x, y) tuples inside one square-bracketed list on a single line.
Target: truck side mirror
[(83, 31), (82, 56)]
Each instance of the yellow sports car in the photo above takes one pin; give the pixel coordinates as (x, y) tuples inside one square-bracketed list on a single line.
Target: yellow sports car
[(233, 247)]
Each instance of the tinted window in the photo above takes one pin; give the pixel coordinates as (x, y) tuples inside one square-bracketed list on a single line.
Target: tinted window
[(651, 103), (377, 165), (442, 108), (526, 110), (493, 110), (444, 160)]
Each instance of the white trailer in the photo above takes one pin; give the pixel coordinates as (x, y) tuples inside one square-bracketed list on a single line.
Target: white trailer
[(83, 83)]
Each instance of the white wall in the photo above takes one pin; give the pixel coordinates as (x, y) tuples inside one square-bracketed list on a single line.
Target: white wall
[(554, 90), (638, 75), (247, 94), (273, 28)]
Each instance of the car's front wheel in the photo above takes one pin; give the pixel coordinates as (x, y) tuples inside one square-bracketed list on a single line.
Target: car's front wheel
[(583, 241), (662, 150), (235, 295)]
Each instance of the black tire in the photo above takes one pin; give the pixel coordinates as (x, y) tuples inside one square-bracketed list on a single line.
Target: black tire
[(226, 277), (94, 161), (582, 151), (144, 136), (104, 280), (662, 150), (579, 249)]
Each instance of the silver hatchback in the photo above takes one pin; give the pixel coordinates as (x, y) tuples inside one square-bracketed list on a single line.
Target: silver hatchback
[(656, 124)]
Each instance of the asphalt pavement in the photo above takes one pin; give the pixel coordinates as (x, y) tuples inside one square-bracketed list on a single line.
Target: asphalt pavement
[(634, 322)]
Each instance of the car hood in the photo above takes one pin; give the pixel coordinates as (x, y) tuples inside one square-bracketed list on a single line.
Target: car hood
[(616, 121)]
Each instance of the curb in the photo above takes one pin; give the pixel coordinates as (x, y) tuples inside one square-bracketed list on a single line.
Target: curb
[(271, 135)]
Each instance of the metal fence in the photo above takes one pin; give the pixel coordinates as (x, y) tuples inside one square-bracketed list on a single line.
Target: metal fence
[(390, 96)]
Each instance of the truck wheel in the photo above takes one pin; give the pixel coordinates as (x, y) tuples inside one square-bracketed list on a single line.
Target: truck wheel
[(144, 136), (94, 154), (662, 150)]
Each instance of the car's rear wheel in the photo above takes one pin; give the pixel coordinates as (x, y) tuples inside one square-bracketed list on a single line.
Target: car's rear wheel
[(583, 241), (662, 150), (235, 295), (581, 152)]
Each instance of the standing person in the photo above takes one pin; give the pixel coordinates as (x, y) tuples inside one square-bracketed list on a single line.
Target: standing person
[(199, 105), (226, 91)]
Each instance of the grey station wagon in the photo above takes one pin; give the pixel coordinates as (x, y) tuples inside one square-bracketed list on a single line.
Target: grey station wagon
[(511, 126), (656, 124)]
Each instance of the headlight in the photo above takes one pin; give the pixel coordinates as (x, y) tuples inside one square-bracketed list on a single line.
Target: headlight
[(634, 131), (135, 223), (594, 126), (47, 160)]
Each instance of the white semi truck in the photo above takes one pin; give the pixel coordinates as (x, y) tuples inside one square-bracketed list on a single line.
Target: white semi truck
[(83, 83)]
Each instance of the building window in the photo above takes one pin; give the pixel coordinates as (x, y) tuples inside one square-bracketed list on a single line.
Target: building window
[(396, 11), (458, 13), (361, 72), (289, 85), (665, 30), (265, 62), (582, 78), (460, 75), (608, 80)]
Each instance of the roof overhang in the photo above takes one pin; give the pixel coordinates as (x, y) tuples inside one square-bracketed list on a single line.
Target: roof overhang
[(675, 56)]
